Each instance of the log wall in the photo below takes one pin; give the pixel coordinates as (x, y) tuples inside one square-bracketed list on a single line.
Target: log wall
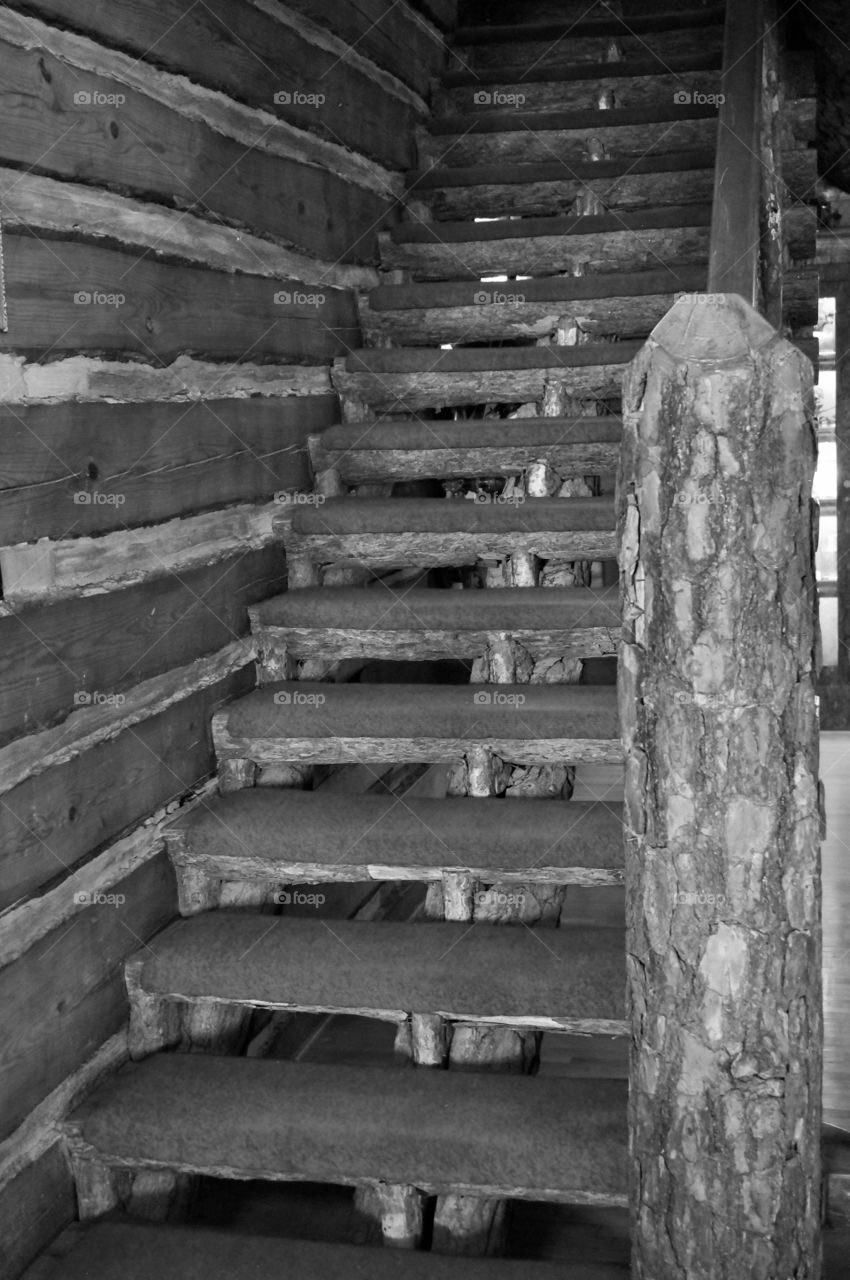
[(190, 199)]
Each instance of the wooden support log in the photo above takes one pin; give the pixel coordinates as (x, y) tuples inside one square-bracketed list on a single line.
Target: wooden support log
[(397, 1208), (234, 775), (154, 1021), (160, 1195), (721, 740), (469, 1225)]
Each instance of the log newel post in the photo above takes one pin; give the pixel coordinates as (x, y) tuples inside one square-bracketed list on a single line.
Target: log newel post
[(716, 689)]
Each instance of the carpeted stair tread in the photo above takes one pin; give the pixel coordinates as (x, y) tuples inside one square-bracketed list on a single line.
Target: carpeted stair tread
[(420, 609), (414, 360), (549, 977), (526, 1136), (609, 25), (670, 216), (438, 516), (486, 175), (464, 713), (610, 284), (630, 67), (356, 837), (514, 121), (127, 1250)]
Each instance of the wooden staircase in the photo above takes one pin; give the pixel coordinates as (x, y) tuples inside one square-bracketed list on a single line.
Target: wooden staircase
[(487, 464)]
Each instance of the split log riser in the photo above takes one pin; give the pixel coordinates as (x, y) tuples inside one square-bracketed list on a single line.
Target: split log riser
[(720, 733)]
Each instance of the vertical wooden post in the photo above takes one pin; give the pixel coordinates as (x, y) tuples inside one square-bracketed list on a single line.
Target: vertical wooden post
[(722, 842), (842, 449)]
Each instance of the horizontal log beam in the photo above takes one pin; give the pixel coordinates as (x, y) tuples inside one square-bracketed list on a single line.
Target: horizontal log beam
[(64, 296), (73, 669), (71, 469), (90, 378), (48, 571), (71, 209)]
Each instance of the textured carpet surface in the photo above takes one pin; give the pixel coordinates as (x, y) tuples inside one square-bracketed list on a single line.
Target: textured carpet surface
[(313, 1122), (437, 515), (469, 713), (274, 823), (426, 967), (544, 609)]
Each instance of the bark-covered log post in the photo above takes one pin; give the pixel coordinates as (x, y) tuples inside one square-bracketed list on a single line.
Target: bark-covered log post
[(717, 664)]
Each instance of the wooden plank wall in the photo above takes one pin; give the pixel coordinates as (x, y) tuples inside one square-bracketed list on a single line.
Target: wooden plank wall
[(190, 197)]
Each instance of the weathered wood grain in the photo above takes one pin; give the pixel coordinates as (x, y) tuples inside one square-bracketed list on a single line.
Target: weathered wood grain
[(638, 82), (163, 460), (90, 378), (722, 826), (53, 821), (544, 139), (551, 50), (142, 149), (78, 654), (397, 38), (244, 53), (74, 978), (624, 316), (393, 550), (64, 296), (73, 209), (47, 571), (564, 249)]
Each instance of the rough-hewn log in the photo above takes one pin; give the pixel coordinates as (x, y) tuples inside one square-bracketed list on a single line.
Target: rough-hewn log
[(720, 734)]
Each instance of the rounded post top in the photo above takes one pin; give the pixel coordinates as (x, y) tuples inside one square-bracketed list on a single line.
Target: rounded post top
[(712, 328)]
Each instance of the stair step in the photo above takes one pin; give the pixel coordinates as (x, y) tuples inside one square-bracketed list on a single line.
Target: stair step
[(119, 1250), (482, 1134), (473, 13), (422, 624), (458, 311), (520, 137), (311, 722), (627, 241), (399, 532), (404, 450), (570, 979), (541, 47), (283, 835), (609, 25), (411, 378), (676, 177), (635, 82)]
